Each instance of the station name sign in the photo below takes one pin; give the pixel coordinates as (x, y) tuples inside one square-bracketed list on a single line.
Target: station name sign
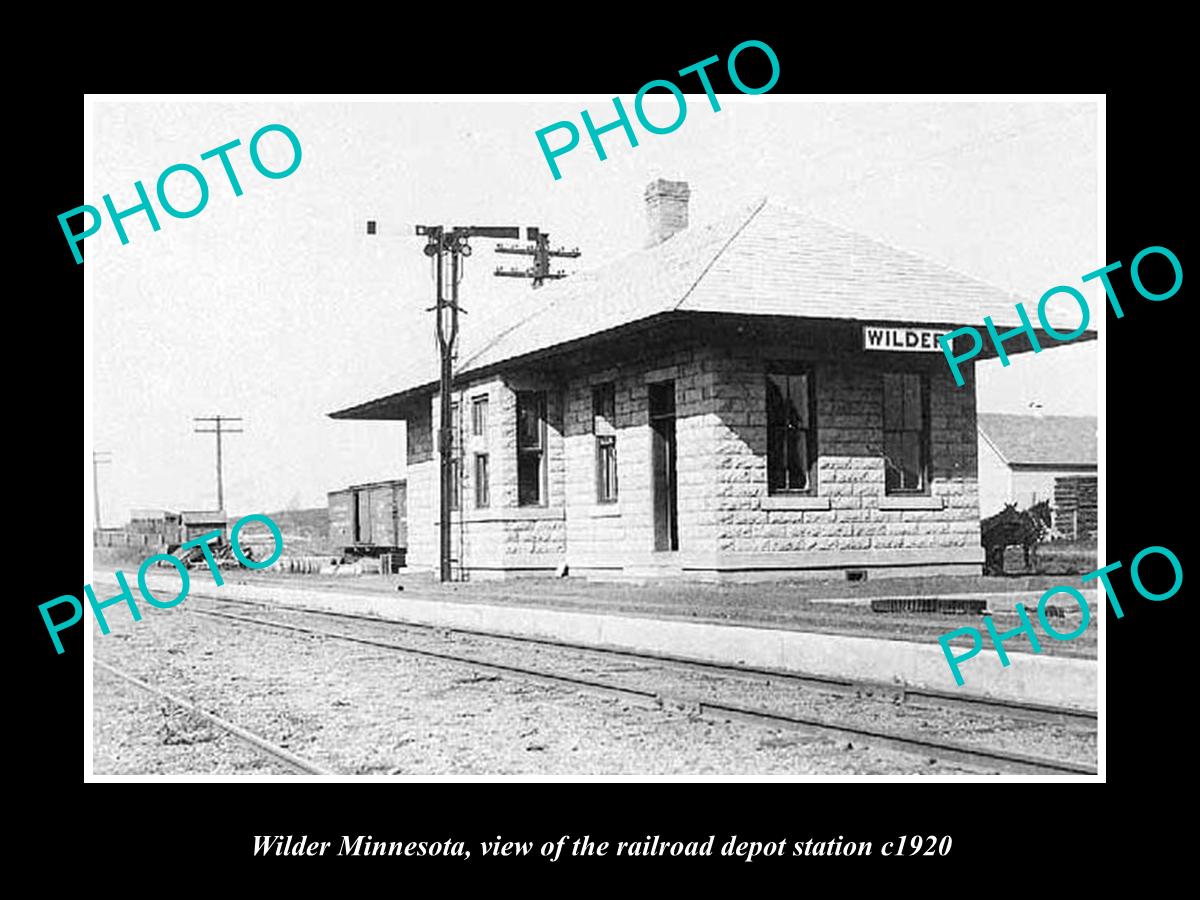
[(907, 339)]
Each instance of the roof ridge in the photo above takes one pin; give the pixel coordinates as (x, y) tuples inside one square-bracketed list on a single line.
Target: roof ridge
[(733, 237)]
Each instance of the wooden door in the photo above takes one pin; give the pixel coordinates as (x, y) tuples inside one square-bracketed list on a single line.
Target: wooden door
[(662, 464)]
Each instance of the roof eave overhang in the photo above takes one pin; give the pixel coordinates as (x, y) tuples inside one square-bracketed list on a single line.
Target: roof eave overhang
[(403, 404), (1022, 344), (400, 405)]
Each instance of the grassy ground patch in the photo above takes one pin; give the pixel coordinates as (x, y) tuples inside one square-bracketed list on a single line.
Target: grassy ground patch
[(1058, 558)]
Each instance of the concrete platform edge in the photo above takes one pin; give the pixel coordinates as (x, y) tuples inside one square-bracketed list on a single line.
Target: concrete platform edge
[(1056, 681)]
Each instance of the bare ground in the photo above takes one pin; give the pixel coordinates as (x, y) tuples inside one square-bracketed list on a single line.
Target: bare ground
[(360, 710)]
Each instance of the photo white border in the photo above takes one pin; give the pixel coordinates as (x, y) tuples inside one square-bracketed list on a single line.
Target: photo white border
[(89, 146)]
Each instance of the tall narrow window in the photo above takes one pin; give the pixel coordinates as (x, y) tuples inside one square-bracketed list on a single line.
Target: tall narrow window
[(455, 456), (531, 448), (455, 482), (791, 431), (481, 481), (906, 432), (479, 414), (604, 426)]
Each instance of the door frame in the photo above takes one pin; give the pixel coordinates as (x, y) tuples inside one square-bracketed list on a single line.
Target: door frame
[(666, 533)]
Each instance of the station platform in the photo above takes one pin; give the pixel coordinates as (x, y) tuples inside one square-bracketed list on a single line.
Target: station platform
[(829, 639), (916, 609)]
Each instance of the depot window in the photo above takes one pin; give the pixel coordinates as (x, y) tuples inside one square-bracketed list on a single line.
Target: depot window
[(906, 432), (791, 431), (455, 482), (531, 448), (603, 426), (482, 497), (479, 414), (456, 456)]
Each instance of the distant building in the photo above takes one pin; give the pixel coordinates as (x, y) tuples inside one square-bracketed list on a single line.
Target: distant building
[(152, 529), (156, 521), (1026, 459), (369, 517), (755, 398), (197, 522)]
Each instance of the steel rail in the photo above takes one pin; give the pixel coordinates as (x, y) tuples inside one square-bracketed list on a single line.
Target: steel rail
[(286, 756), (1012, 762), (1020, 709)]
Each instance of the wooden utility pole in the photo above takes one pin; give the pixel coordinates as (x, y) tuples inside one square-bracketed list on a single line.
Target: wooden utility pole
[(218, 431), (99, 458), (440, 242)]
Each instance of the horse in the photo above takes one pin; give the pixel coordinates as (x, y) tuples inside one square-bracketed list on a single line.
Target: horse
[(1012, 526)]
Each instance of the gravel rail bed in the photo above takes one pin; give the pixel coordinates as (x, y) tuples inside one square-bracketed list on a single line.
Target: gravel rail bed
[(1070, 740), (137, 733), (362, 710)]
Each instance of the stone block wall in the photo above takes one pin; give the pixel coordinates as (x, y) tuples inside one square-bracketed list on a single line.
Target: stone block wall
[(727, 519), (502, 536), (850, 511), (614, 536)]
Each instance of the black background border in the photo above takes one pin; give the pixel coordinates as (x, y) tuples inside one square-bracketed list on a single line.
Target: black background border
[(1007, 829)]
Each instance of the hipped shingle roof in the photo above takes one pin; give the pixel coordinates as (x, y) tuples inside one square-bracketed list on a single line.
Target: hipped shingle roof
[(763, 259)]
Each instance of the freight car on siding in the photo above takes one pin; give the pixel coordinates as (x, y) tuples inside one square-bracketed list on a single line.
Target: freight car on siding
[(370, 519)]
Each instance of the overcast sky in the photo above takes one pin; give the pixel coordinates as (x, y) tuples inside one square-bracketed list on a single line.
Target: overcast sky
[(276, 306)]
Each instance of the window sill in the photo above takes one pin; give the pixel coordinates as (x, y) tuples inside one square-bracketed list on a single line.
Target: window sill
[(916, 501), (518, 514), (604, 511), (797, 501)]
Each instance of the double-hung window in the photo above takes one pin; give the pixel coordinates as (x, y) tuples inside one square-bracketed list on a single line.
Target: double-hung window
[(603, 425), (482, 498), (455, 482), (791, 430), (479, 414), (531, 448), (906, 432), (479, 422), (455, 456)]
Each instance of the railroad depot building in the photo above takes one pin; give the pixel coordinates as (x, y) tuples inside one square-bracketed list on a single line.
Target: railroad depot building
[(758, 397)]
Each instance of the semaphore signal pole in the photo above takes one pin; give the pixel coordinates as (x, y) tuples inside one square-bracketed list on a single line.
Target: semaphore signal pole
[(453, 242), (541, 253), (441, 242), (218, 431)]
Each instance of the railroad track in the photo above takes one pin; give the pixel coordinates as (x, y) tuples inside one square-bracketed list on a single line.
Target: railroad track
[(945, 750), (260, 743), (965, 702)]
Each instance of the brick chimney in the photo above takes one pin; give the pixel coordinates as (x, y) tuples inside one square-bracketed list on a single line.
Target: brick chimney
[(666, 209)]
